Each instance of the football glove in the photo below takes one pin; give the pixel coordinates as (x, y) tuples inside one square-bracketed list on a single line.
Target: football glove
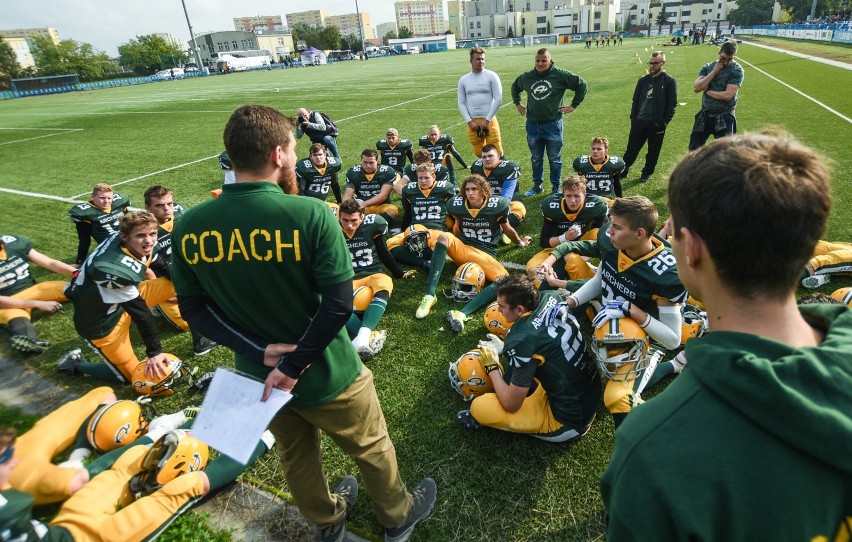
[(559, 312), (489, 360), (410, 274), (494, 343), (613, 309)]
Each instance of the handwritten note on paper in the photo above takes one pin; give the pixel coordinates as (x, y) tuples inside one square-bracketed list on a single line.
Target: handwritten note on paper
[(232, 418)]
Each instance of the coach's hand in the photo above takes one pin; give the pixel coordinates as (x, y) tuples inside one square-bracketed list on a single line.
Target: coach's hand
[(521, 109), (155, 366), (272, 354), (278, 380)]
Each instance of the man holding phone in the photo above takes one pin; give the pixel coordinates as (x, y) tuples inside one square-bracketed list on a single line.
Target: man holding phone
[(720, 81)]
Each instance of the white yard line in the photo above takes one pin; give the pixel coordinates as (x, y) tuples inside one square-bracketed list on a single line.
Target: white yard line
[(830, 62), (38, 195), (58, 131), (154, 173), (797, 91)]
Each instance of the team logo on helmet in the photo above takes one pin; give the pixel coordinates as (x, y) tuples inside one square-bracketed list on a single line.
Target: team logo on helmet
[(468, 376)]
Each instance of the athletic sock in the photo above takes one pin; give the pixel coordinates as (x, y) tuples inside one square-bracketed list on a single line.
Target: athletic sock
[(484, 297), (514, 220), (376, 309), (22, 326), (403, 255), (439, 258), (101, 371), (662, 370), (225, 470), (353, 324)]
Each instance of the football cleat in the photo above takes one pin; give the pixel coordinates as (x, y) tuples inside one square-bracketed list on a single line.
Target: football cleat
[(377, 340), (425, 306), (28, 345), (466, 420), (456, 319), (69, 361), (203, 345), (815, 281), (467, 282), (535, 190)]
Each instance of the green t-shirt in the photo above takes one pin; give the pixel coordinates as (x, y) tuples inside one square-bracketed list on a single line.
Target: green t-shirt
[(313, 182), (104, 222), (362, 247), (109, 276), (428, 207), (15, 265), (394, 156), (732, 74), (647, 110), (599, 177), (556, 356), (591, 215), (480, 228), (366, 185), (261, 256)]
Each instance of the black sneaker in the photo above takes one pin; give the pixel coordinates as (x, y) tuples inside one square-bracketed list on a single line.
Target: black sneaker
[(28, 345), (466, 419), (645, 178), (203, 346), (424, 494), (348, 489), (203, 383), (69, 361)]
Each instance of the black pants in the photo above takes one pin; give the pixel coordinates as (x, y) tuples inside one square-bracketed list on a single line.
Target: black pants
[(640, 132)]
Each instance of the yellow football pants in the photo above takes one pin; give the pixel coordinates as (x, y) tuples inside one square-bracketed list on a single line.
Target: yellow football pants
[(493, 137), (460, 253), (831, 258), (377, 282), (398, 240), (52, 290), (35, 449)]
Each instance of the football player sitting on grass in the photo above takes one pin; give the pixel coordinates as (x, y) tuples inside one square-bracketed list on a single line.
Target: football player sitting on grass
[(97, 218), (20, 293), (550, 388)]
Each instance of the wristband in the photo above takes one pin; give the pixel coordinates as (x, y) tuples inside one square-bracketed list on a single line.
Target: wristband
[(563, 238), (647, 321), (576, 301)]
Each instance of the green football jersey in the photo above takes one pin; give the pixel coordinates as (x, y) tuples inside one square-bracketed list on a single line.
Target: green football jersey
[(366, 185), (480, 228), (362, 248), (592, 213), (643, 281), (441, 173), (505, 171), (17, 522), (439, 149), (428, 207), (313, 182), (599, 177), (262, 256), (394, 156), (108, 277), (104, 222), (557, 357), (164, 235), (15, 264)]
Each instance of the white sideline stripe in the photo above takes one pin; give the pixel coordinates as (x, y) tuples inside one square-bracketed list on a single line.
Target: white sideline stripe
[(797, 91), (154, 173), (38, 195), (396, 105), (41, 136), (828, 61), (47, 129)]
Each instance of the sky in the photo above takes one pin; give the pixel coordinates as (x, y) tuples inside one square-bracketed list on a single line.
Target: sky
[(106, 24)]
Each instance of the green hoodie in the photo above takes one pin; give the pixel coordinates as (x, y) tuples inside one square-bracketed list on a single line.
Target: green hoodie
[(753, 441), (545, 92)]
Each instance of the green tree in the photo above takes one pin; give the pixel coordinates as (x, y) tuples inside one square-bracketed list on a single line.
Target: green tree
[(353, 42), (8, 60), (69, 56), (510, 33), (752, 12), (663, 16), (391, 35), (631, 20), (149, 54), (404, 32), (317, 36)]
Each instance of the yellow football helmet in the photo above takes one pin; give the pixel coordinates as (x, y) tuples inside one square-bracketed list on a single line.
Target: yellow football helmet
[(468, 281), (176, 373), (844, 295), (694, 323), (361, 298), (335, 209), (116, 424), (495, 322), (416, 238), (174, 454), (468, 376), (622, 349)]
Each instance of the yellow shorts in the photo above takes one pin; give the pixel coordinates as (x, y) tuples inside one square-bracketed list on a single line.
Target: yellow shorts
[(493, 137), (35, 449), (52, 290), (832, 258), (575, 265)]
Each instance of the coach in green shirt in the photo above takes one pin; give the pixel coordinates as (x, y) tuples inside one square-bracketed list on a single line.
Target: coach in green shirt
[(545, 86), (267, 273)]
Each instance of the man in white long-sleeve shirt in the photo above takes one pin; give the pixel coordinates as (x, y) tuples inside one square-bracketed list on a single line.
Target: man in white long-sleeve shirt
[(480, 96)]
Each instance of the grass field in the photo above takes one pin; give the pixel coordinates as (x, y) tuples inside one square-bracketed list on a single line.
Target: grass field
[(492, 486)]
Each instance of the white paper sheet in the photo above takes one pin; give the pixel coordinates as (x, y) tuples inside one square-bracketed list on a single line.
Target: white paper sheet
[(232, 418)]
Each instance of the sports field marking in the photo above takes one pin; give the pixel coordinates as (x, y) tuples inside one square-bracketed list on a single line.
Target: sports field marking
[(154, 173), (454, 89), (59, 131), (38, 195), (797, 91)]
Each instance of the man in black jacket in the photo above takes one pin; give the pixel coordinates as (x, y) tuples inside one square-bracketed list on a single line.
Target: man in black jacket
[(654, 102), (313, 125)]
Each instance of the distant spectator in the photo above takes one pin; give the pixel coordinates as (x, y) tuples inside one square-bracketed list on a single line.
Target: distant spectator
[(312, 124)]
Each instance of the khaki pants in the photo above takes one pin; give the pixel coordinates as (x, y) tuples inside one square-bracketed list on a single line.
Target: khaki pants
[(354, 420)]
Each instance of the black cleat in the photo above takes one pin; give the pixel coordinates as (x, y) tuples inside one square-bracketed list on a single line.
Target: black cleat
[(28, 345)]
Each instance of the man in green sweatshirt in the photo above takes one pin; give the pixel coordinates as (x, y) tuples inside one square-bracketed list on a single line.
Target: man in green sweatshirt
[(545, 86), (752, 440)]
